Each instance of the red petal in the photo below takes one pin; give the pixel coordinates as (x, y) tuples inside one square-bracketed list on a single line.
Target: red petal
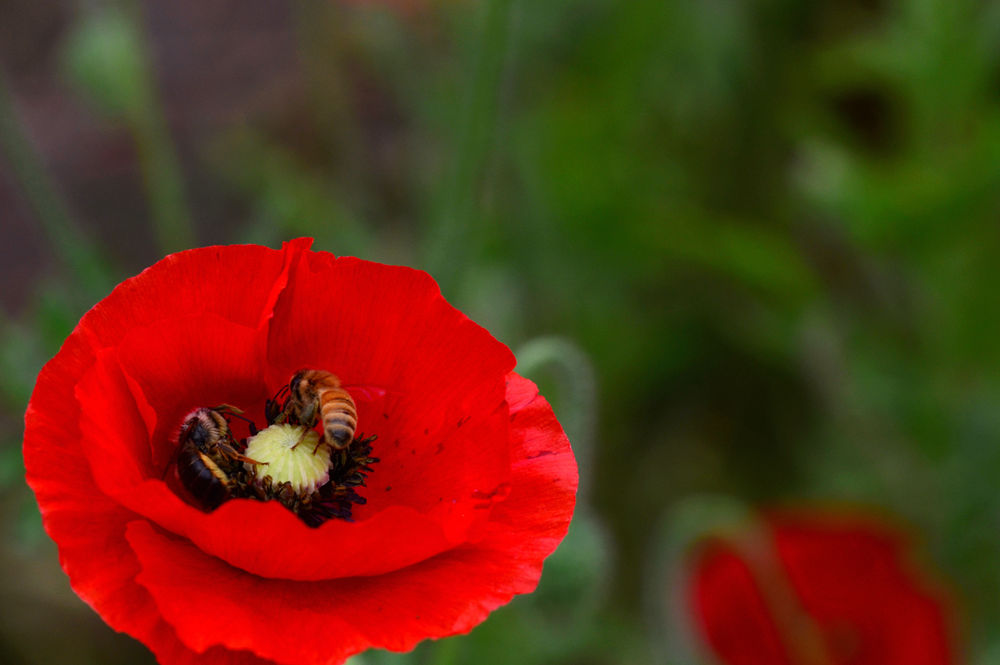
[(442, 442), (853, 575), (731, 612), (544, 481), (457, 441), (324, 622), (447, 472), (88, 527), (184, 363), (239, 283), (819, 586), (387, 326), (134, 397)]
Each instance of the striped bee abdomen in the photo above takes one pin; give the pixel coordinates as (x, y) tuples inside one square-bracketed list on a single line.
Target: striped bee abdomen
[(315, 395), (340, 417)]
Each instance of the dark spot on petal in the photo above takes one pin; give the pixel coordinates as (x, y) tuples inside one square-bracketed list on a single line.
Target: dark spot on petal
[(541, 453), (440, 448), (427, 431), (388, 487), (501, 490)]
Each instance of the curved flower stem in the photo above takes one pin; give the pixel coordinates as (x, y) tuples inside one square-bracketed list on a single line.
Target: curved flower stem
[(451, 241), (70, 243), (577, 381), (672, 634)]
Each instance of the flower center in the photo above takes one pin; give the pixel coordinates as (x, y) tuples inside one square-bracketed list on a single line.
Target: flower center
[(316, 486), (287, 461), (289, 454)]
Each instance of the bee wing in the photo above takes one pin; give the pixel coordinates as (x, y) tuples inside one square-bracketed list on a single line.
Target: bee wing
[(367, 392)]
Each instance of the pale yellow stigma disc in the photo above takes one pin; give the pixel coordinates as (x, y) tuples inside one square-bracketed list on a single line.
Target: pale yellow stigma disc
[(300, 466)]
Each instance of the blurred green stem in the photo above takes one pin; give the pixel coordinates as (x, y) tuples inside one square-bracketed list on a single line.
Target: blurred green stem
[(671, 637), (70, 243), (160, 168), (164, 185), (107, 56), (452, 240)]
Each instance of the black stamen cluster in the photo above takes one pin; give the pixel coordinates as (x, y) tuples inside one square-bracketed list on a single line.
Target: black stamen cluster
[(349, 469)]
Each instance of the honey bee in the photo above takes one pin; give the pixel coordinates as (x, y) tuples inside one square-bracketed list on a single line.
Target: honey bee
[(207, 458), (316, 395)]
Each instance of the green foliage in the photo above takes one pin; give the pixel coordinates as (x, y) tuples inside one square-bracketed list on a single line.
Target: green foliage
[(104, 57), (747, 249)]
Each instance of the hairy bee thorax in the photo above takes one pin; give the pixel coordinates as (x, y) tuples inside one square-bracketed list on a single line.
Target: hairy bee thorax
[(315, 476)]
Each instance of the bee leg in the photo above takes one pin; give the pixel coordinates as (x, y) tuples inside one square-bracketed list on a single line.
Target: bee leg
[(244, 458), (321, 441), (307, 415), (233, 411), (231, 453), (302, 437), (274, 411)]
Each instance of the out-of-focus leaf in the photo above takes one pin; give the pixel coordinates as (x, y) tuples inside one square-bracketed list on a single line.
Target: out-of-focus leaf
[(751, 254), (103, 58), (106, 59)]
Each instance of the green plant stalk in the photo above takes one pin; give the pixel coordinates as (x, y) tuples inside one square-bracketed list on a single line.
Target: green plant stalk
[(324, 50), (452, 240), (161, 171), (69, 242), (162, 178)]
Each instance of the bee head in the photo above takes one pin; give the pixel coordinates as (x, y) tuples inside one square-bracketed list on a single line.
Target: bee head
[(298, 384), (204, 426)]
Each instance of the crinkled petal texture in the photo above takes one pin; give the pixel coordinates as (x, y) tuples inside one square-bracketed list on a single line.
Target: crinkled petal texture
[(475, 487), (819, 589)]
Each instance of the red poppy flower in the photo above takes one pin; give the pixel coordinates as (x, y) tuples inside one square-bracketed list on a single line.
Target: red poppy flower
[(474, 487), (818, 589)]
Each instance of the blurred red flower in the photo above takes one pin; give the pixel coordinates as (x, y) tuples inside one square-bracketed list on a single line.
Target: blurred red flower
[(827, 588), (475, 487)]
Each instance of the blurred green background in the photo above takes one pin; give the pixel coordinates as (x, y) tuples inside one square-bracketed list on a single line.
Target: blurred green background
[(748, 249)]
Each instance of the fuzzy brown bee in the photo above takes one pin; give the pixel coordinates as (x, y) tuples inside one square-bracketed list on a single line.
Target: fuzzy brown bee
[(316, 395), (207, 457)]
